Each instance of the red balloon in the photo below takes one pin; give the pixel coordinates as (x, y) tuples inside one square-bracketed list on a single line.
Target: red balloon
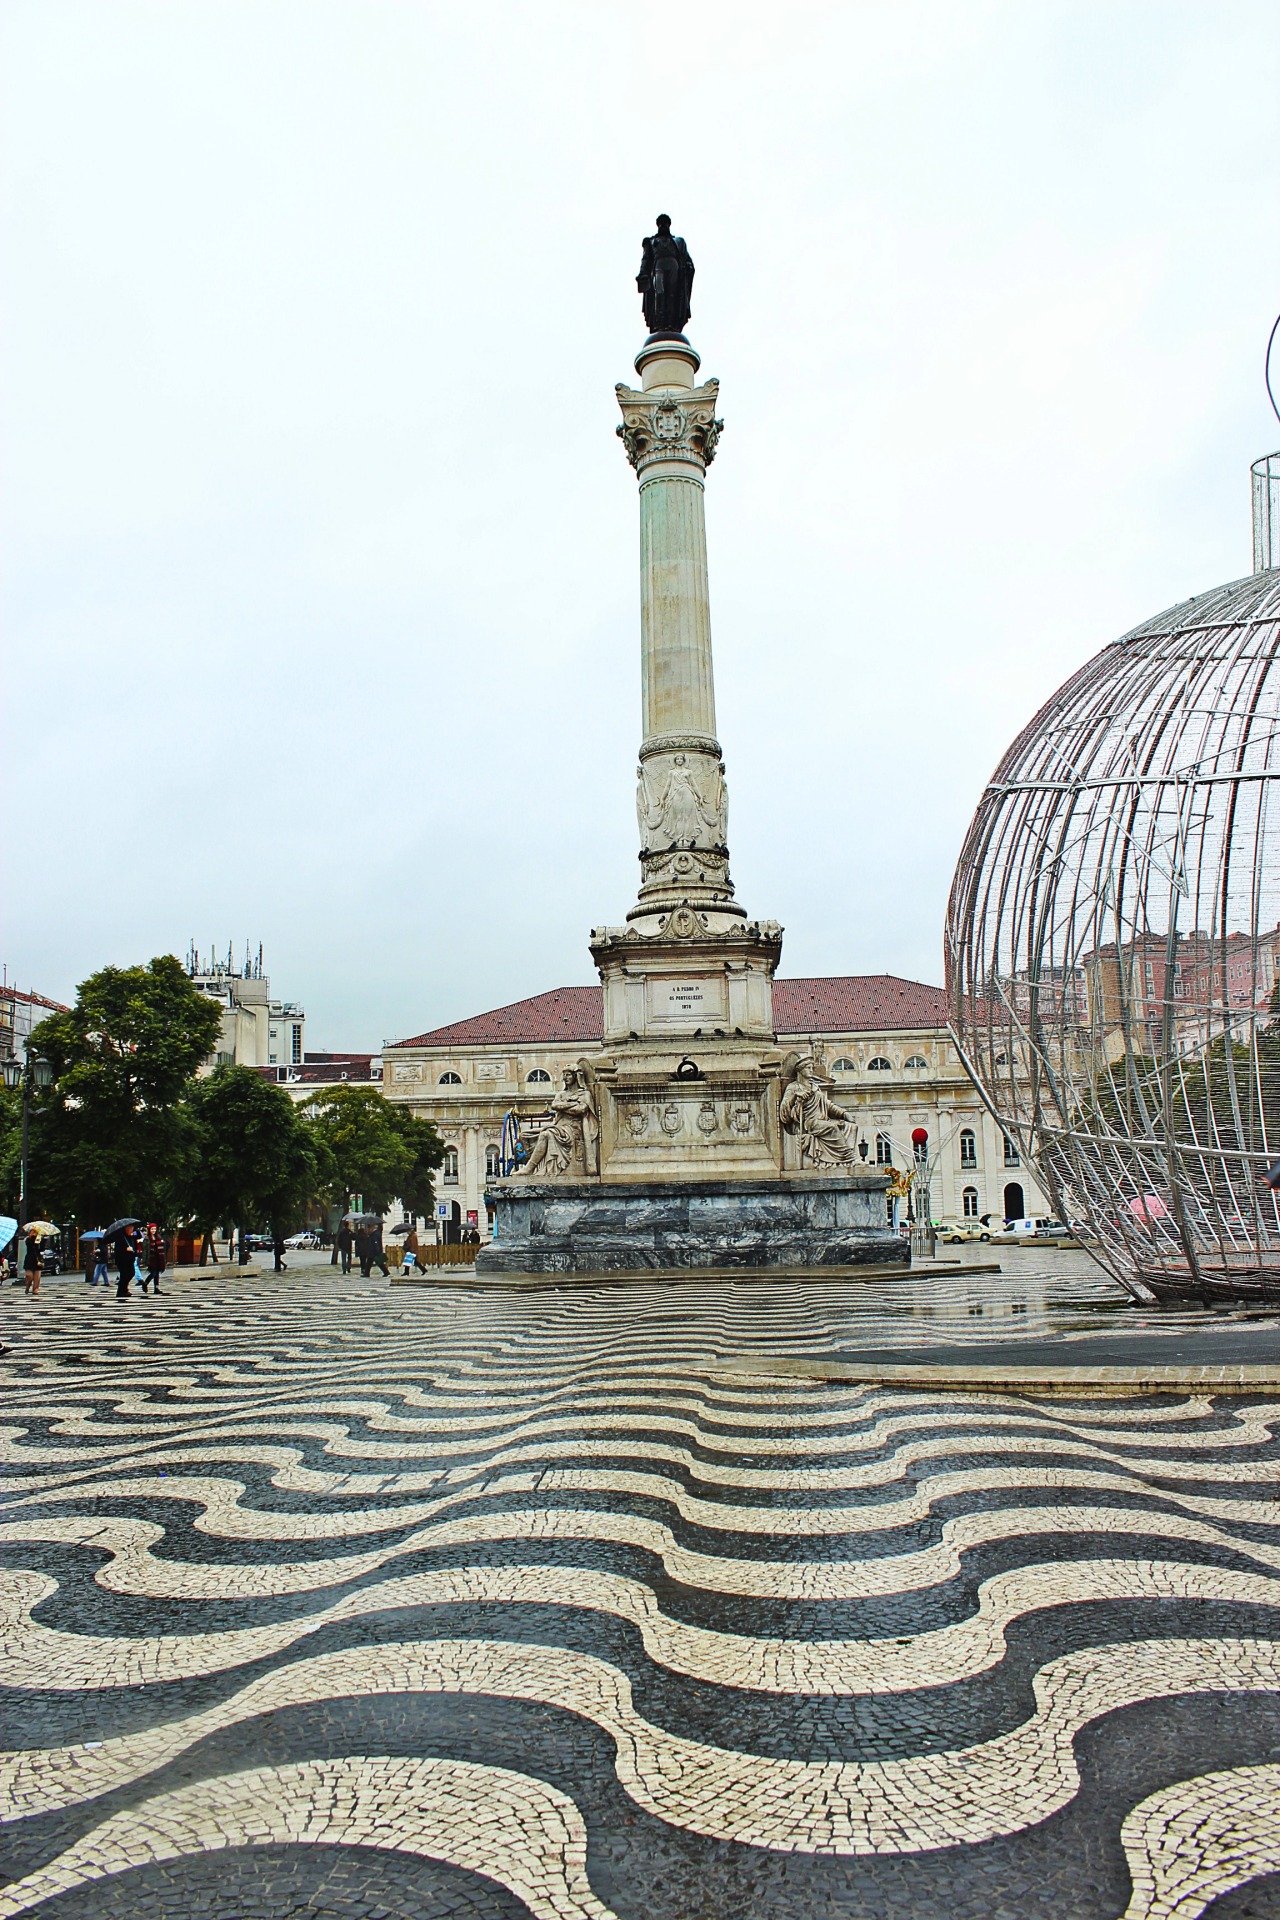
[(919, 1135)]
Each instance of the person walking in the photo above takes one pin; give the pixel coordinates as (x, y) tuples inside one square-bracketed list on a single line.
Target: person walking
[(277, 1249), (342, 1245), (363, 1255), (100, 1276), (155, 1260), (126, 1266), (31, 1263), (377, 1258)]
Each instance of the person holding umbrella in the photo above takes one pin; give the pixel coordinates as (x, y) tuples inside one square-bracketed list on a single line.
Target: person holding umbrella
[(342, 1243), (126, 1254), (100, 1274)]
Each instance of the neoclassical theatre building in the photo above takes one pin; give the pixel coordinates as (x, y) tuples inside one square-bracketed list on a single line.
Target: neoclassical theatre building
[(885, 1044)]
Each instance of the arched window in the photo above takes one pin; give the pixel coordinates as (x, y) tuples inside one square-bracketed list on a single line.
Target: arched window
[(449, 1167), (492, 1163), (450, 1079), (843, 1065), (879, 1065), (916, 1061), (969, 1199), (539, 1077), (1001, 1060), (968, 1148), (1010, 1153), (884, 1150)]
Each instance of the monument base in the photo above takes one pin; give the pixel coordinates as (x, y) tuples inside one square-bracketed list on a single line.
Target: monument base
[(593, 1226)]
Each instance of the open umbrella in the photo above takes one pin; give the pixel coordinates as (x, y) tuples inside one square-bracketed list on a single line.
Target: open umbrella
[(94, 1233), (362, 1219), (118, 1226), (8, 1227), (41, 1227), (406, 1226)]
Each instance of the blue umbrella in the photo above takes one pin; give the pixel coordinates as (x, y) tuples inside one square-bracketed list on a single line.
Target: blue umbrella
[(94, 1233), (8, 1228)]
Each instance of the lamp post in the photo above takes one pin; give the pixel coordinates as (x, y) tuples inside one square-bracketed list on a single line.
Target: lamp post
[(922, 1239), (22, 1074)]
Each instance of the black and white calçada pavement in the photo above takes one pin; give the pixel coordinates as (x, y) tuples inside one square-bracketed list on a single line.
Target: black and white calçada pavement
[(325, 1599)]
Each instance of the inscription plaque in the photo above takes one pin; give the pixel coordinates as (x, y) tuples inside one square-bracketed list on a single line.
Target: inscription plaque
[(699, 1002)]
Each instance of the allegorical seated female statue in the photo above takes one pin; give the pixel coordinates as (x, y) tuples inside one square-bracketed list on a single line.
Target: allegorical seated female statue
[(828, 1134), (574, 1133)]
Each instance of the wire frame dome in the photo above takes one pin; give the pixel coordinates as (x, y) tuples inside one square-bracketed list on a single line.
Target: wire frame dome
[(1113, 947)]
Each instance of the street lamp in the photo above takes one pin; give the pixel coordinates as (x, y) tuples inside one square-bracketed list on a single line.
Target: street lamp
[(36, 1070)]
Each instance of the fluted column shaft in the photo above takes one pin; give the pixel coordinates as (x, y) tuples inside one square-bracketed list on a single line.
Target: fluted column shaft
[(678, 690)]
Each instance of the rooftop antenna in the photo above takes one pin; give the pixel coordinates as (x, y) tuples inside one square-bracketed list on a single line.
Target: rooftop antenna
[(1265, 475)]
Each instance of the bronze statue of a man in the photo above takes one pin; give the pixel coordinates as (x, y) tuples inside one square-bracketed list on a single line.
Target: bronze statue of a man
[(665, 279)]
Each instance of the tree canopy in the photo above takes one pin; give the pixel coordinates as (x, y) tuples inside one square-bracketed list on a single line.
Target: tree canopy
[(111, 1135), (375, 1149), (255, 1160)]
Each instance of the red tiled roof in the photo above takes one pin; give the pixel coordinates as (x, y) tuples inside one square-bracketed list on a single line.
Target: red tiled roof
[(841, 1003), (856, 1003), (33, 999), (566, 1013)]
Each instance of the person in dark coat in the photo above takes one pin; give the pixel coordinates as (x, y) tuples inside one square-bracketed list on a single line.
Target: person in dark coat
[(363, 1254), (277, 1249), (377, 1258), (155, 1261), (31, 1263), (342, 1244), (126, 1266)]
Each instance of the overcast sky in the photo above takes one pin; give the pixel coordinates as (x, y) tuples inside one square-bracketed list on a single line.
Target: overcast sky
[(321, 590)]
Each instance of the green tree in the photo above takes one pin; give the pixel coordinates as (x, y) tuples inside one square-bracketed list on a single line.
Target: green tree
[(10, 1150), (255, 1161), (111, 1136), (426, 1150), (375, 1149)]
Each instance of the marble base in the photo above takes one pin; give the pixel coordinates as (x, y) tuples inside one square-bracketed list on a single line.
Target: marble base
[(592, 1226)]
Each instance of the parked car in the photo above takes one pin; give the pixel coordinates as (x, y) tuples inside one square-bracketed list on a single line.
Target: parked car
[(306, 1239), (954, 1233)]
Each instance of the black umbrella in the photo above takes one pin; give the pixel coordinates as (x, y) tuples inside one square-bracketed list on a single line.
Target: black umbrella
[(119, 1226), (406, 1226), (362, 1219)]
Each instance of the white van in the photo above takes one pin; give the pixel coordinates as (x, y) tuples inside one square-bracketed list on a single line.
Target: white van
[(1039, 1226)]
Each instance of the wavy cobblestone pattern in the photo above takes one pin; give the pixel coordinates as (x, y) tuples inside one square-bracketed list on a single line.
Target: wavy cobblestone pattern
[(560, 1605)]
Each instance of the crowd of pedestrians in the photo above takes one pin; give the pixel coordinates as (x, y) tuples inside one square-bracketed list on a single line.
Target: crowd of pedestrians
[(140, 1256)]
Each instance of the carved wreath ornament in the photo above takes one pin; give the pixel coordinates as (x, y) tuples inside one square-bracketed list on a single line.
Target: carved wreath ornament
[(655, 430)]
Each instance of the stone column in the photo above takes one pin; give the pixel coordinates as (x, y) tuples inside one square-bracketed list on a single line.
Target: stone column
[(669, 429)]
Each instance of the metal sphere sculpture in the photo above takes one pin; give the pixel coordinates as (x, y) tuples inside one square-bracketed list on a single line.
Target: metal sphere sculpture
[(1113, 946)]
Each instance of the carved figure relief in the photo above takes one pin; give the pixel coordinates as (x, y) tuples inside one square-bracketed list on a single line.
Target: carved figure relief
[(571, 1144), (675, 810), (828, 1135)]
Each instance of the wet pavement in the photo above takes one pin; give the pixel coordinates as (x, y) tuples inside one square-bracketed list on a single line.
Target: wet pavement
[(326, 1599)]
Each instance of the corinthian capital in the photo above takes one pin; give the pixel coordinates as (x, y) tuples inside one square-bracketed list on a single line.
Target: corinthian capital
[(671, 425)]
